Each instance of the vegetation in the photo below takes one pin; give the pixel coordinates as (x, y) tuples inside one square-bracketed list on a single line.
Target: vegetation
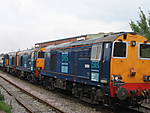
[(141, 26), (3, 106)]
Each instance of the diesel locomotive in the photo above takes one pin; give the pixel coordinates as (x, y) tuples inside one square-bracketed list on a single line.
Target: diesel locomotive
[(25, 64), (113, 69)]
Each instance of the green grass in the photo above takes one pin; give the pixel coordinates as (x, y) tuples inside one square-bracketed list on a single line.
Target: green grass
[(5, 107), (1, 97)]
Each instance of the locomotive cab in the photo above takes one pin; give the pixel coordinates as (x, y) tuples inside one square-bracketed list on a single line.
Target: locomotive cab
[(130, 73), (40, 59)]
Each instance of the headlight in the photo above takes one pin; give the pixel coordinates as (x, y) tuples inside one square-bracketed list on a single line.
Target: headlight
[(117, 78), (39, 68)]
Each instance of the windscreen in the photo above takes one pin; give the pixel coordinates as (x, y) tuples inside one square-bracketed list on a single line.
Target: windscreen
[(119, 49), (144, 51), (41, 54)]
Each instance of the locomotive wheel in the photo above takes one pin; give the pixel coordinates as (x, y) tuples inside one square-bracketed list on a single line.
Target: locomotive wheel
[(92, 95), (29, 78), (49, 84), (74, 91), (122, 94), (32, 79)]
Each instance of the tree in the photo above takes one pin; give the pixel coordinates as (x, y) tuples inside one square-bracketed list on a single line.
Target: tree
[(142, 26)]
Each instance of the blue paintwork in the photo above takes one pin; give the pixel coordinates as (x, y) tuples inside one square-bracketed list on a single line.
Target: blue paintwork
[(70, 78), (28, 63), (95, 70), (12, 60), (106, 62), (75, 65), (33, 61), (24, 69), (64, 62), (4, 59)]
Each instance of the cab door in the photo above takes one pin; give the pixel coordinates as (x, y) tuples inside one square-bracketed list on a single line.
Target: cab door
[(105, 74), (96, 62), (33, 61)]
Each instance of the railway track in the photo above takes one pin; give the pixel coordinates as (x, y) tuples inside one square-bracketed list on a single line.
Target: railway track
[(47, 106), (31, 102), (66, 104), (143, 109)]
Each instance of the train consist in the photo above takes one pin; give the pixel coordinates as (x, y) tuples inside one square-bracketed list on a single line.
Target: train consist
[(113, 69)]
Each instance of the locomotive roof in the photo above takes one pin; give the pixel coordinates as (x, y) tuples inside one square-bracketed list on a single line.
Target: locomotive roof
[(12, 53), (106, 38), (28, 51)]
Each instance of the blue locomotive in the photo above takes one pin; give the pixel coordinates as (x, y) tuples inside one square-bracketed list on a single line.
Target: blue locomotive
[(110, 69), (101, 69)]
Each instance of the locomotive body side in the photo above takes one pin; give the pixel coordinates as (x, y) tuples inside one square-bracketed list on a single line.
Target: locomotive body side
[(10, 62), (25, 64), (81, 67), (2, 61), (5, 61), (102, 69)]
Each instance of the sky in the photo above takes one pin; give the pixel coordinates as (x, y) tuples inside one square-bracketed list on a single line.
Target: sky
[(26, 22)]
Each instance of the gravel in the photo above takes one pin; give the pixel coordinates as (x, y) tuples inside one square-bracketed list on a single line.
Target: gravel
[(67, 104), (23, 98), (10, 100)]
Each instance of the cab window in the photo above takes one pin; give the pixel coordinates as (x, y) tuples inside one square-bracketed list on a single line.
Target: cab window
[(96, 52), (120, 49), (144, 50), (41, 54)]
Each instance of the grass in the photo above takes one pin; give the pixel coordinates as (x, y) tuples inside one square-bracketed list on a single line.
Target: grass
[(1, 97), (5, 107)]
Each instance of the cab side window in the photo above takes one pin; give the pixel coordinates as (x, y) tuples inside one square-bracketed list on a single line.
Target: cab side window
[(120, 49), (96, 52)]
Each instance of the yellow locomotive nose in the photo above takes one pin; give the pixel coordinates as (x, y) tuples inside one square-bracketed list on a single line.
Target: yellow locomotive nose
[(40, 63), (132, 72), (130, 60), (40, 59)]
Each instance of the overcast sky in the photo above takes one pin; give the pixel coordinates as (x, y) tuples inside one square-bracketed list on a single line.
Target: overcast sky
[(26, 22)]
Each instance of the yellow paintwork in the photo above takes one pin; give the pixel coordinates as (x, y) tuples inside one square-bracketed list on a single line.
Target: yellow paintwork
[(7, 62), (40, 61), (124, 66), (42, 49)]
